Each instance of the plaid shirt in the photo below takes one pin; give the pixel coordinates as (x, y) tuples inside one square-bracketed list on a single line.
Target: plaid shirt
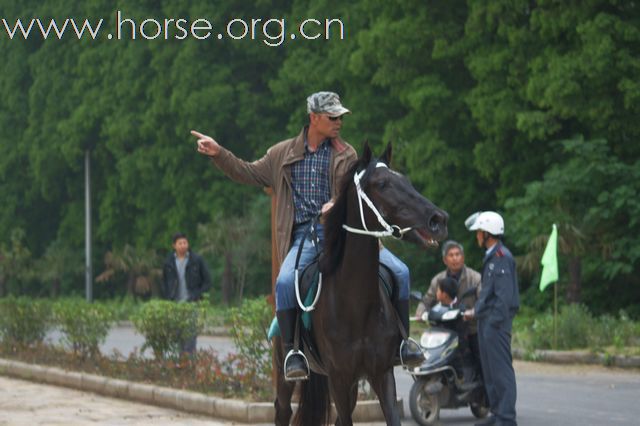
[(310, 178)]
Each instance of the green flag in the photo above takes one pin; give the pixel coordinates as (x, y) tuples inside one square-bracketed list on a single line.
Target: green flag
[(550, 260)]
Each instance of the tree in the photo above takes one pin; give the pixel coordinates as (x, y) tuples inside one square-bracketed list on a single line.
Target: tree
[(594, 195), (15, 264), (58, 263)]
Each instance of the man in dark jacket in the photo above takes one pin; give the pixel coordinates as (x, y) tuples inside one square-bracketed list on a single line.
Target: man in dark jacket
[(185, 278), (497, 304)]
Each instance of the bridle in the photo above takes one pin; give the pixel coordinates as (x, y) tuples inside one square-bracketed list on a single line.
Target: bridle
[(389, 230)]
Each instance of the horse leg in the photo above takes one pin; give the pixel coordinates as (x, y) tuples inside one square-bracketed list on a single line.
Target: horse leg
[(345, 395), (385, 387), (284, 389)]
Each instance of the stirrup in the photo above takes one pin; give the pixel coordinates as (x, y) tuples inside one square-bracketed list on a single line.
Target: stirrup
[(409, 341), (291, 353)]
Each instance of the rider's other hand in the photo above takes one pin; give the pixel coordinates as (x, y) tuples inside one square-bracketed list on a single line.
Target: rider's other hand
[(326, 207), (206, 144), (469, 314), (425, 317)]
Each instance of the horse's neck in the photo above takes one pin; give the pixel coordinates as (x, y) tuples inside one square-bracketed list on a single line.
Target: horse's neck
[(360, 263)]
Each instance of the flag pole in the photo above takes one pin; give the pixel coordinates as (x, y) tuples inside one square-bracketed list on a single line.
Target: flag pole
[(549, 275), (555, 316)]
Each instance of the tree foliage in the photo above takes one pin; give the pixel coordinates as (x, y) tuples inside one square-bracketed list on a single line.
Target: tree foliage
[(523, 107)]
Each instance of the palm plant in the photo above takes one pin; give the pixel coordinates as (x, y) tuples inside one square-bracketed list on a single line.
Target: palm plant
[(140, 267)]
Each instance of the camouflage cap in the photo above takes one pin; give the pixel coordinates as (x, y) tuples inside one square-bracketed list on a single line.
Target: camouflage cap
[(327, 103)]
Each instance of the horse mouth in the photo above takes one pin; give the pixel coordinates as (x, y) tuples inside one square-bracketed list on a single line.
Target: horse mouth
[(425, 238)]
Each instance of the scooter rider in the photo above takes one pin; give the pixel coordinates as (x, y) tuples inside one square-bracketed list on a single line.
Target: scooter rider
[(496, 306), (467, 278)]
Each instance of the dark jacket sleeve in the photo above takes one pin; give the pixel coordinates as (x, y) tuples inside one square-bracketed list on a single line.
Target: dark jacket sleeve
[(482, 304), (204, 281), (166, 280), (503, 289)]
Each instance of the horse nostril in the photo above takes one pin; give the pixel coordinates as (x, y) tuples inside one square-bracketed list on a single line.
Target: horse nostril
[(436, 221)]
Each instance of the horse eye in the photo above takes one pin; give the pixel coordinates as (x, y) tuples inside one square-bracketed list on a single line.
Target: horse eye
[(382, 184)]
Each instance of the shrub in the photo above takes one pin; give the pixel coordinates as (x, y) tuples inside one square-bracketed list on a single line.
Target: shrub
[(84, 325), (249, 326), (574, 328), (166, 325), (24, 320), (575, 324), (541, 336), (122, 308), (612, 331)]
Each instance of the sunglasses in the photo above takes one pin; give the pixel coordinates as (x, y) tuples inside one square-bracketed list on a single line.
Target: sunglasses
[(335, 118)]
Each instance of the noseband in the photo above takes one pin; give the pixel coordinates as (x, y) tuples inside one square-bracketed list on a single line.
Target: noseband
[(390, 230)]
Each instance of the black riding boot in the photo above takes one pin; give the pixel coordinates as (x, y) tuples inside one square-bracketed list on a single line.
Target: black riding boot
[(295, 366), (410, 353)]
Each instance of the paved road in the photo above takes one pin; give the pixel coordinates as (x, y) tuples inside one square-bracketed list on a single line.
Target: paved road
[(560, 395), (547, 394), (27, 403), (125, 340)]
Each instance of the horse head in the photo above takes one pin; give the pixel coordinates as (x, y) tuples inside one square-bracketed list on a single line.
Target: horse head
[(386, 204), (395, 203)]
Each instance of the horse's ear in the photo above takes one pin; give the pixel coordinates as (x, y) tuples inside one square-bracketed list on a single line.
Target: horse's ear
[(386, 156), (365, 159)]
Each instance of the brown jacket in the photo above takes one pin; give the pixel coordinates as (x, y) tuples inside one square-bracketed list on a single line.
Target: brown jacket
[(274, 171), (469, 278)]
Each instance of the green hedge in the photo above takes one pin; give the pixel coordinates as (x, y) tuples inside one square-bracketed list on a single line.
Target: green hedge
[(249, 326), (166, 325), (84, 325), (577, 328), (24, 320)]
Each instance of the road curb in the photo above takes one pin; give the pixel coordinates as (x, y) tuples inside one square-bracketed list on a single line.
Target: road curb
[(192, 402), (578, 357)]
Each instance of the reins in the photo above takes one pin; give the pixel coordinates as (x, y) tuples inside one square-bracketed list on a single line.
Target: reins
[(390, 230)]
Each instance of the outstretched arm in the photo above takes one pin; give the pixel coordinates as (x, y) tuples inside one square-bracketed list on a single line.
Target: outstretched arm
[(257, 173)]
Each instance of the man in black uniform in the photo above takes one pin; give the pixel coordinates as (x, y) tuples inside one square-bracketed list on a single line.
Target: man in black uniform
[(496, 306)]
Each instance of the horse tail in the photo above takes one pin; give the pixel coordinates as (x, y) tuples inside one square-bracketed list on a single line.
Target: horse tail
[(314, 407)]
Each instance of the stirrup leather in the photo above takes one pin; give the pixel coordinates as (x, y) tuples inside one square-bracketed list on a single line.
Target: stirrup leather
[(294, 352)]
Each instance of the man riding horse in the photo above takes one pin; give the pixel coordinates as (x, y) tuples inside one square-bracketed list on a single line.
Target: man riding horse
[(305, 174)]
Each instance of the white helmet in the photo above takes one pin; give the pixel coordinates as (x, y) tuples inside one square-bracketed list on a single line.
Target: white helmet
[(490, 222)]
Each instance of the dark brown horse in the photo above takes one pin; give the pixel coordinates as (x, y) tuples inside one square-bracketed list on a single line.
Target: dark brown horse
[(355, 329)]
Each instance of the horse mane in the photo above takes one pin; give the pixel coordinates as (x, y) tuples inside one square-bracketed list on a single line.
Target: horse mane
[(334, 234)]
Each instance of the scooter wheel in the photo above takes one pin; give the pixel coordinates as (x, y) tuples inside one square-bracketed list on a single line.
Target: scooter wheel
[(479, 404), (425, 407)]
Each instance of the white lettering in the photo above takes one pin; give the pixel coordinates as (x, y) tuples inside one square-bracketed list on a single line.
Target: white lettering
[(206, 26), (18, 25), (155, 23), (279, 37), (242, 24), (304, 34)]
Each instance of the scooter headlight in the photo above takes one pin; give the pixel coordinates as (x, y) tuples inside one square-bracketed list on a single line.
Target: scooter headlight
[(433, 339), (451, 315)]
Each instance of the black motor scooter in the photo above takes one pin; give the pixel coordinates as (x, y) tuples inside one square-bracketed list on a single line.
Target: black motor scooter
[(437, 383)]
